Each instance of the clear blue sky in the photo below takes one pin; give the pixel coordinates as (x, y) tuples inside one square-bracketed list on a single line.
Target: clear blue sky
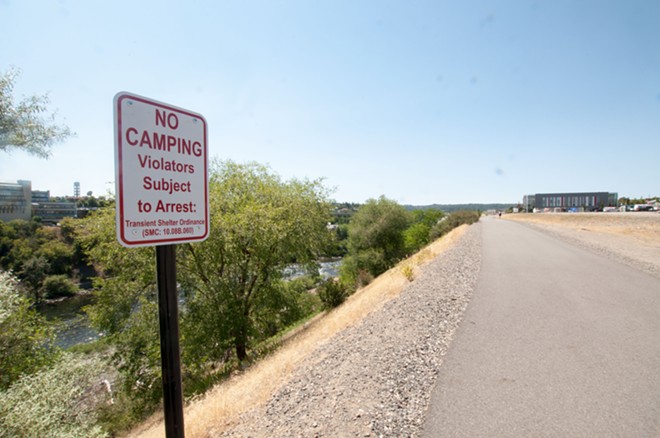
[(421, 101)]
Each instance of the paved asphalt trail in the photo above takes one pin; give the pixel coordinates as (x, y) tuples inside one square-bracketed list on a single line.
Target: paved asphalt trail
[(556, 342)]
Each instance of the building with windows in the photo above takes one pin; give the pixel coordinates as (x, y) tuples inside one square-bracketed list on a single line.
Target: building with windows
[(583, 201), (19, 201), (40, 196), (51, 212), (15, 200)]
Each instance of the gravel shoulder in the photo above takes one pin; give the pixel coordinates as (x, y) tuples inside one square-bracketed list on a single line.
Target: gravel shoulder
[(375, 378)]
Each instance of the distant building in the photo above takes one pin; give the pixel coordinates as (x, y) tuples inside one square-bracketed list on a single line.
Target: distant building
[(583, 201), (19, 201), (40, 196), (15, 200), (529, 202), (76, 189), (51, 212)]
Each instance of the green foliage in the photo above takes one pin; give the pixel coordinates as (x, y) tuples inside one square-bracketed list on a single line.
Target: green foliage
[(33, 252), (416, 237), (332, 293), (23, 125), (58, 253), (339, 242), (33, 274), (232, 284), (57, 286), (454, 220), (125, 309), (59, 401), (259, 225), (375, 239), (25, 337), (18, 243), (408, 272), (359, 269), (379, 224), (418, 234)]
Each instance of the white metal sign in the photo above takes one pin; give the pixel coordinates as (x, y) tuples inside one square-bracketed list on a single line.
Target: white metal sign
[(161, 168)]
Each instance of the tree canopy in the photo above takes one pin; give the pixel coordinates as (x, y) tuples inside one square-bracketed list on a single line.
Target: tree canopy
[(25, 124), (25, 338), (375, 239), (259, 225), (231, 285)]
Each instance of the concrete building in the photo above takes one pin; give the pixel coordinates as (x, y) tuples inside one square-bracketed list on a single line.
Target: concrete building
[(582, 201), (40, 196), (51, 212), (19, 201), (15, 200)]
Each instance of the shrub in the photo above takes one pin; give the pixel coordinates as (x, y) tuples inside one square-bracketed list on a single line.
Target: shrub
[(407, 271), (454, 220), (379, 225), (359, 269), (25, 336), (416, 236), (56, 286), (59, 401), (332, 293)]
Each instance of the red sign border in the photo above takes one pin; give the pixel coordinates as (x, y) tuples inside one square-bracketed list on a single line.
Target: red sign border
[(119, 174)]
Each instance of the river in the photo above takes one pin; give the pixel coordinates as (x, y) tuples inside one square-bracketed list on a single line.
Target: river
[(72, 324)]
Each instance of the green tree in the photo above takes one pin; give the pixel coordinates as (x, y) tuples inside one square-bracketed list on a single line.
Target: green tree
[(33, 273), (57, 286), (232, 283), (125, 309), (25, 337), (375, 238), (332, 293), (454, 220), (33, 251), (259, 225), (419, 232), (17, 243), (24, 125)]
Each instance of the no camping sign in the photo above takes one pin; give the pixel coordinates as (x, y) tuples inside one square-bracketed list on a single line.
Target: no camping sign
[(161, 165)]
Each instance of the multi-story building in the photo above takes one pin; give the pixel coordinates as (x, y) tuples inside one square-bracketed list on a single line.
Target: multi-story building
[(51, 212), (40, 196), (584, 201), (19, 201), (15, 200)]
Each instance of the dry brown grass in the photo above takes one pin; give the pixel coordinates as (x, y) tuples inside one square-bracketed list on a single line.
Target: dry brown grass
[(639, 226), (222, 405)]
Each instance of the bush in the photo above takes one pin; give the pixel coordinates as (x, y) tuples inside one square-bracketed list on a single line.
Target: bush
[(454, 220), (332, 293), (25, 336), (379, 225), (59, 401), (408, 271), (416, 236), (359, 269), (56, 286)]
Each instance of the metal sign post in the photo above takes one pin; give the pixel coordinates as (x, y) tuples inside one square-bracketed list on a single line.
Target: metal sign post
[(169, 340), (161, 165)]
